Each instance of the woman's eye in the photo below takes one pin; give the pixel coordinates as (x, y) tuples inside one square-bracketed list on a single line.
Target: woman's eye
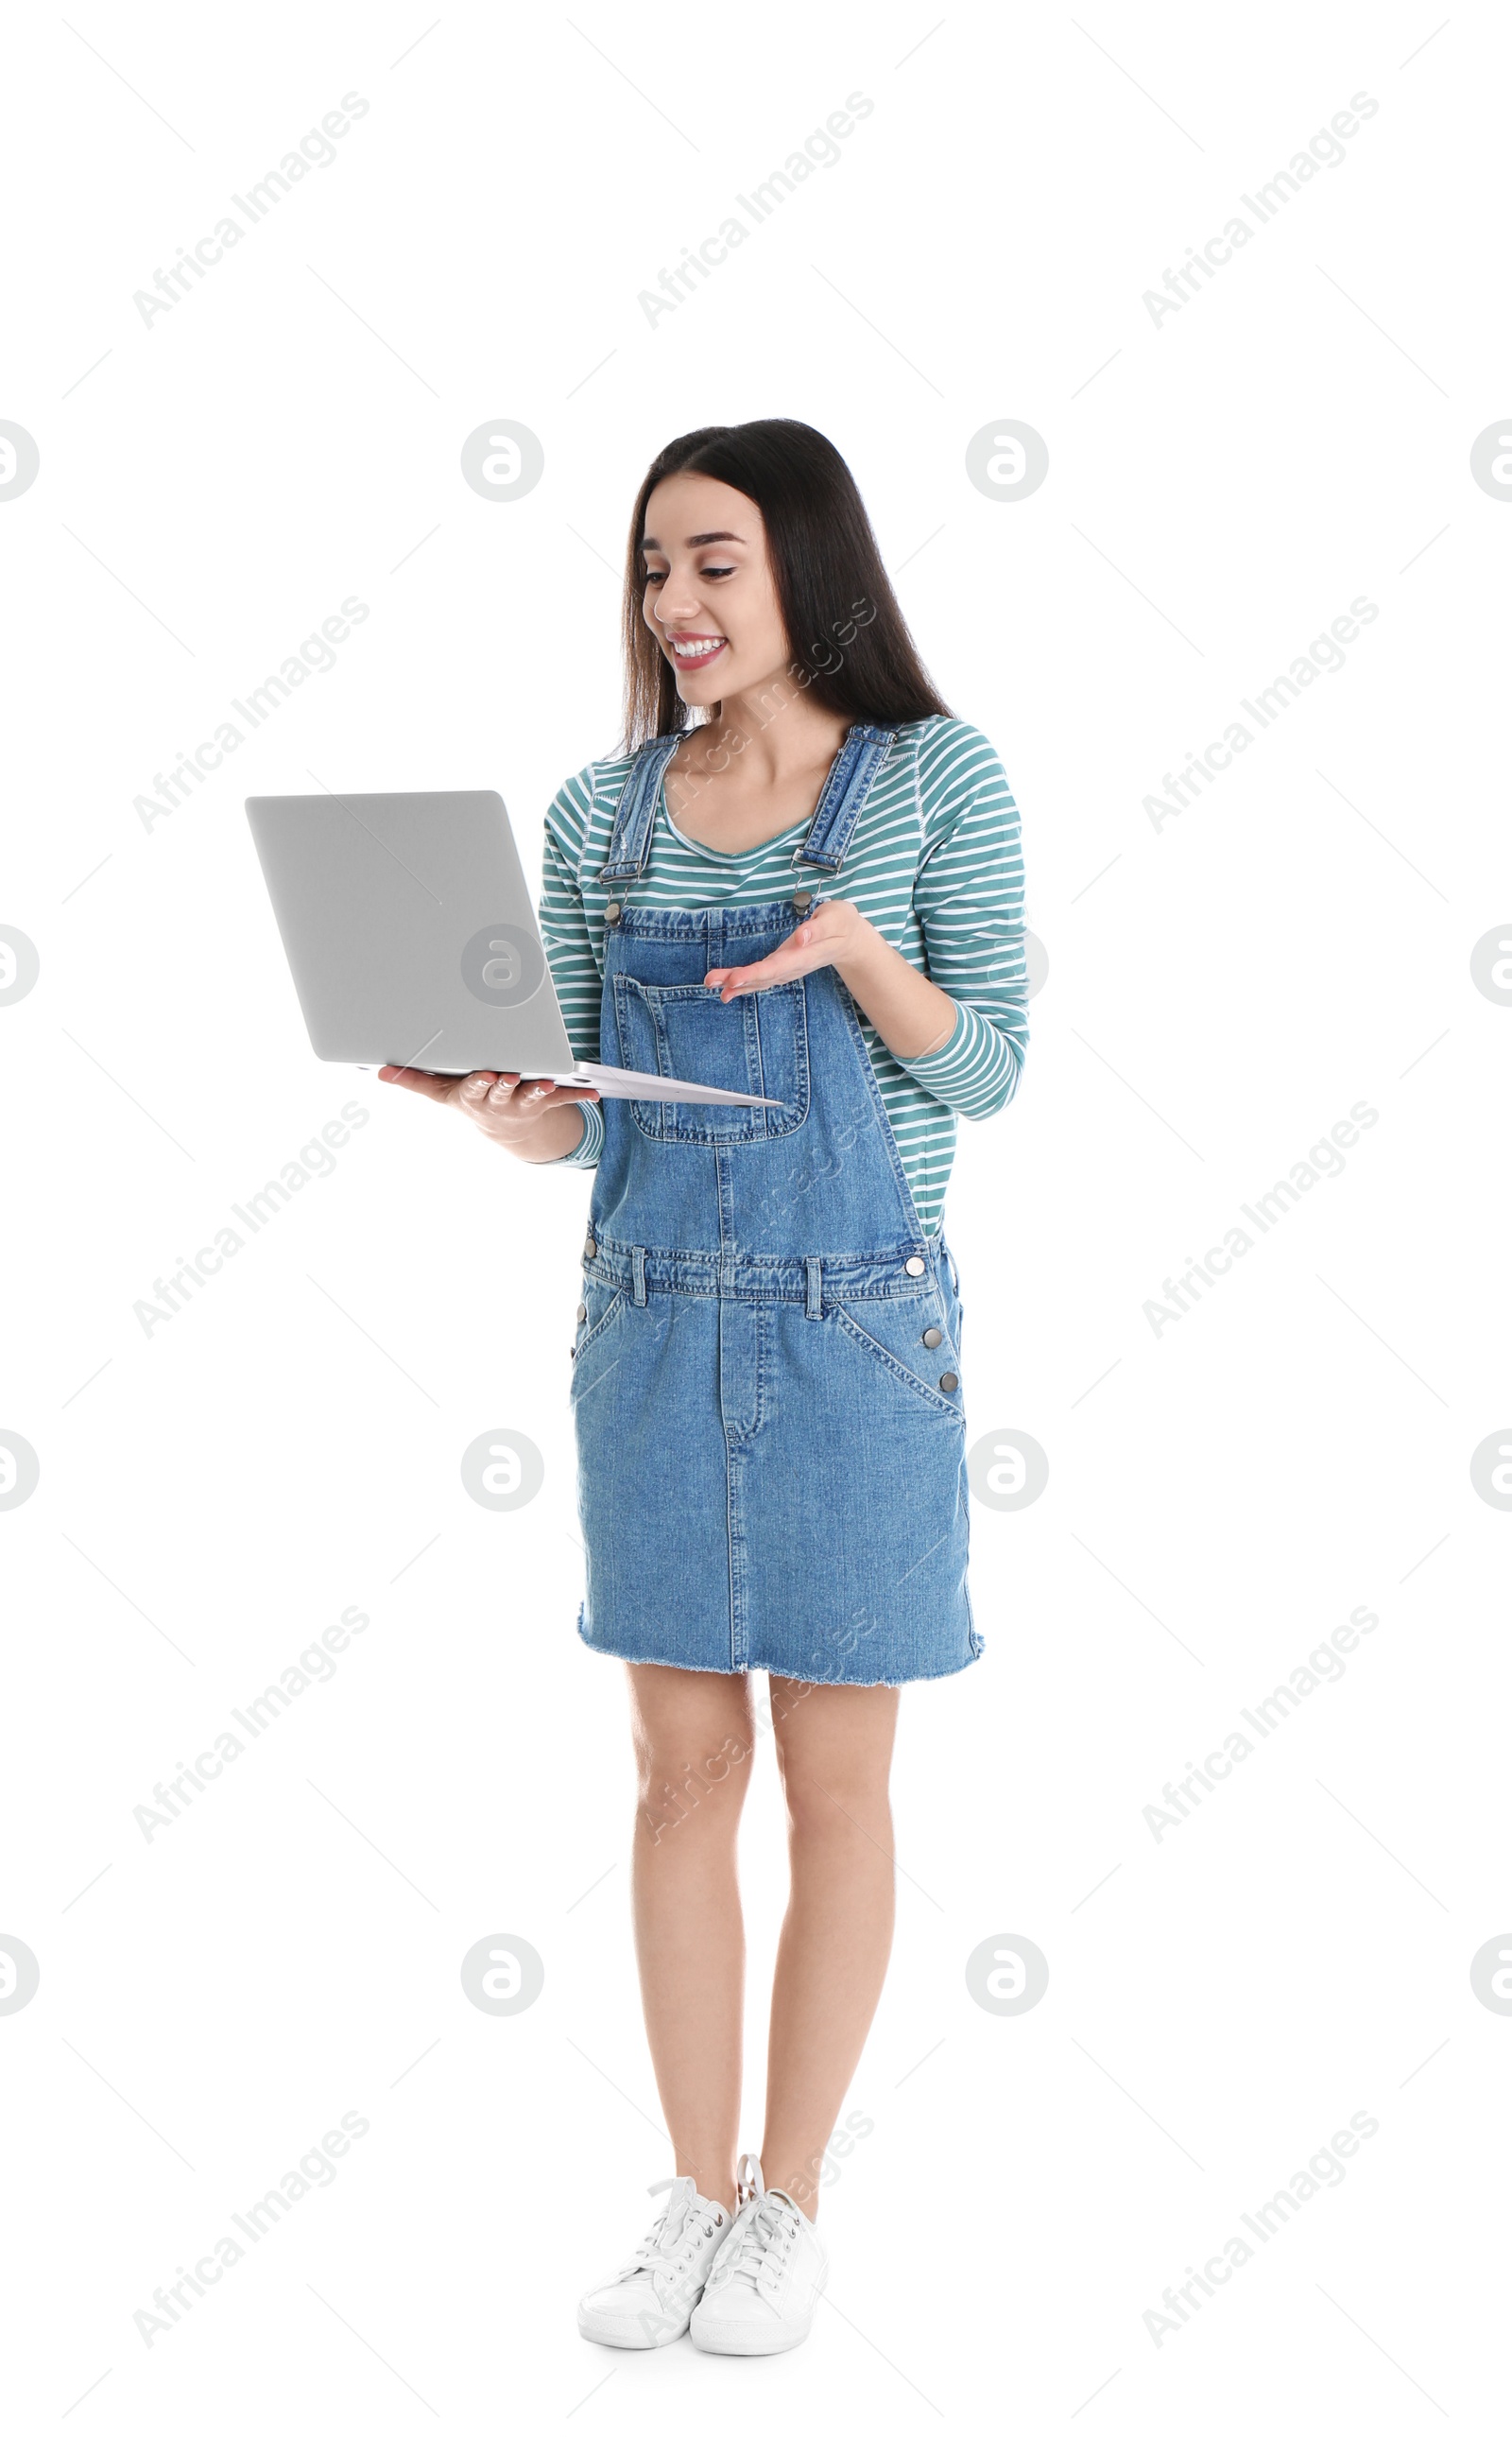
[(658, 574)]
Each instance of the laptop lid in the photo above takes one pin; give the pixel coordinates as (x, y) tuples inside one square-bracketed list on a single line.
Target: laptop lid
[(409, 931)]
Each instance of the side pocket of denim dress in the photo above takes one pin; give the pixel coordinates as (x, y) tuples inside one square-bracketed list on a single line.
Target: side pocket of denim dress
[(602, 1304)]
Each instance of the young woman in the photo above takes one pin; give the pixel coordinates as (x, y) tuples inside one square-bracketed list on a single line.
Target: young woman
[(801, 881)]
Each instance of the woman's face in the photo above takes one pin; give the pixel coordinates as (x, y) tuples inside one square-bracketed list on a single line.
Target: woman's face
[(710, 600)]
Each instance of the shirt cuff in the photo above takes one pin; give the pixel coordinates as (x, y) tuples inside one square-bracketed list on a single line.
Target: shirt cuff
[(975, 1072), (590, 1148)]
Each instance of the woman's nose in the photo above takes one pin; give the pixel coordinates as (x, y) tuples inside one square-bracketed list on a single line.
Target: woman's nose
[(675, 604)]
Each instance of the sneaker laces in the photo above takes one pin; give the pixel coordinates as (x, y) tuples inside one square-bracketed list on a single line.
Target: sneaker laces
[(759, 2248), (673, 2242)]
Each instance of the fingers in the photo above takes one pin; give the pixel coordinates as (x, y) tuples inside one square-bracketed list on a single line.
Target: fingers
[(731, 980), (483, 1095), (783, 964), (486, 1095), (486, 1090)]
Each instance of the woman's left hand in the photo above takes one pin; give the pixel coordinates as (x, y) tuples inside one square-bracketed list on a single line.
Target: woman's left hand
[(834, 933)]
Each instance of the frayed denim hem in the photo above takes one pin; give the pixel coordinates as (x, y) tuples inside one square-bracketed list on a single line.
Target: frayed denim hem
[(895, 1683)]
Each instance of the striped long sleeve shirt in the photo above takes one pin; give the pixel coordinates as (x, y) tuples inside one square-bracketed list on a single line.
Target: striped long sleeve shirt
[(935, 864)]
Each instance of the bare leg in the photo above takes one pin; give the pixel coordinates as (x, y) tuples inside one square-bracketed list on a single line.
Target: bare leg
[(834, 1748), (694, 1738)]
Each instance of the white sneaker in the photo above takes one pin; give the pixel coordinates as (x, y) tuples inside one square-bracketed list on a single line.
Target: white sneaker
[(651, 2299), (764, 2286)]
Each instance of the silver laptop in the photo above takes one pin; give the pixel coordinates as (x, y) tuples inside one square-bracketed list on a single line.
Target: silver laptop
[(412, 940)]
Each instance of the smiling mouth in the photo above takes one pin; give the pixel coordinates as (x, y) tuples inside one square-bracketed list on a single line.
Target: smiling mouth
[(691, 649)]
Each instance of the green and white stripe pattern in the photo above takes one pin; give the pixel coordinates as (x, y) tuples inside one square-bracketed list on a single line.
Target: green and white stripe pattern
[(935, 864)]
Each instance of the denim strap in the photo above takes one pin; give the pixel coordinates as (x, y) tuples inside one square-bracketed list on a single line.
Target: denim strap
[(630, 844), (846, 789)]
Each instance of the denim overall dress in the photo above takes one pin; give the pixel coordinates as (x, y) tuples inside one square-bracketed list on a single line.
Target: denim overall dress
[(766, 1384)]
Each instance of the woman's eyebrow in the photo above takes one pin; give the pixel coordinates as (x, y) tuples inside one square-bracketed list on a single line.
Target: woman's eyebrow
[(695, 541)]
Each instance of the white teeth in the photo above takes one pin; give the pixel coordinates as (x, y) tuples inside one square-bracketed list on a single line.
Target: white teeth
[(699, 650)]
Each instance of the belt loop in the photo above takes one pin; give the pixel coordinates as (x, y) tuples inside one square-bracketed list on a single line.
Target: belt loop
[(814, 1300), (638, 1263)]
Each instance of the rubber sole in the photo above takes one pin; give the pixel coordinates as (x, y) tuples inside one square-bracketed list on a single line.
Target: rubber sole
[(755, 2339), (631, 2333)]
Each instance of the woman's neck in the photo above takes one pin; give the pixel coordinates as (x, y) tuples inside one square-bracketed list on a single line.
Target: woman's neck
[(774, 732)]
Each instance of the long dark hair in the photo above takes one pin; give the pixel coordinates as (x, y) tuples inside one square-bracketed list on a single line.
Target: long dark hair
[(844, 628)]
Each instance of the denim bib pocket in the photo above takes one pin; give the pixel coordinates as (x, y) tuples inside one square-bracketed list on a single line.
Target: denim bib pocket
[(759, 1044)]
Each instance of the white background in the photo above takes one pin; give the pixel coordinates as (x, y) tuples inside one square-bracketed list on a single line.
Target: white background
[(1220, 991)]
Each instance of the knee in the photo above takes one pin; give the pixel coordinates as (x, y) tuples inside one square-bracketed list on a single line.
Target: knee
[(673, 1791), (834, 1805)]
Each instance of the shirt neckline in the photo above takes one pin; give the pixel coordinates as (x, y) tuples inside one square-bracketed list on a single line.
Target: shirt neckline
[(726, 855)]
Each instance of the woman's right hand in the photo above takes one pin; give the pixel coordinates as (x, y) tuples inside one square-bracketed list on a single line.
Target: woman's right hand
[(532, 1119)]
